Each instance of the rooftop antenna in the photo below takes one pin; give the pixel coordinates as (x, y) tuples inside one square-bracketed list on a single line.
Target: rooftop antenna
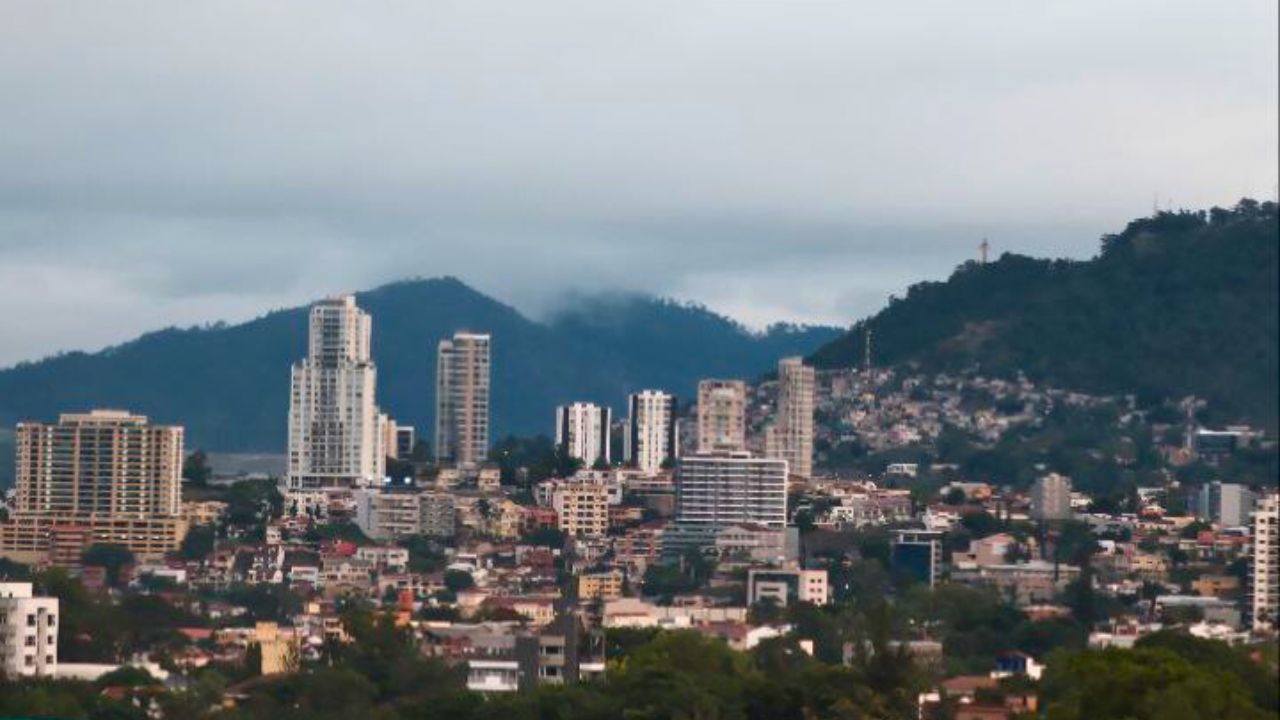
[(984, 248)]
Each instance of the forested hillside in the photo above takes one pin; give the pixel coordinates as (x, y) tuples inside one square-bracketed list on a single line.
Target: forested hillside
[(1177, 304)]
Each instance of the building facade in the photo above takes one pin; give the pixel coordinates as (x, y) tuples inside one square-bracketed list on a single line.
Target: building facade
[(1264, 565), (918, 554), (112, 476), (1051, 498), (651, 438), (337, 436), (463, 377), (28, 632), (582, 429), (793, 426), (784, 586), (722, 416), (723, 489), (1226, 504)]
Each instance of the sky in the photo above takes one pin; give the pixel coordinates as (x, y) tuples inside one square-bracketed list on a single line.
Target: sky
[(169, 163)]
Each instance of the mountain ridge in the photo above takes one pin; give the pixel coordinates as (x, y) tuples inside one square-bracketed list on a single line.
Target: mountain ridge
[(229, 383)]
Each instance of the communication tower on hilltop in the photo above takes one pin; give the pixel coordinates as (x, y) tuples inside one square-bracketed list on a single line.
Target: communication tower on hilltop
[(984, 248)]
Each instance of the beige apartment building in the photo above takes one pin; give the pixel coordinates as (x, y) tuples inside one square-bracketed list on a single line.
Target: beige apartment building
[(722, 416), (109, 474), (582, 507), (462, 399), (791, 436)]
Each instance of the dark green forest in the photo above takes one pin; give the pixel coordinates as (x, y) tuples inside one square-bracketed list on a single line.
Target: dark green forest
[(1181, 303)]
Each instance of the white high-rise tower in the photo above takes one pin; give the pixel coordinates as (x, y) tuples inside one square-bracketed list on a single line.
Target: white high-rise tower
[(462, 399), (794, 423), (651, 438), (335, 429), (583, 430)]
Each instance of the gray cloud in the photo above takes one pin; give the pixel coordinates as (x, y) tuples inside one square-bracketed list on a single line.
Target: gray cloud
[(168, 163)]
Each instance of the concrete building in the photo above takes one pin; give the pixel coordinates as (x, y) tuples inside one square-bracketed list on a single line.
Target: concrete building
[(651, 438), (725, 489), (462, 399), (28, 632), (109, 472), (605, 586), (786, 586), (722, 416), (337, 436), (918, 554), (1226, 504), (583, 430), (390, 513), (1051, 498), (1264, 565), (792, 429), (582, 506)]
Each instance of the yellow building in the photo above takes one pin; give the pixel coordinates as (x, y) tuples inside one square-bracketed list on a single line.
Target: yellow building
[(603, 586)]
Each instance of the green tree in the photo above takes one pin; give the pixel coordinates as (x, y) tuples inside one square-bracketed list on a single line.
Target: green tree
[(109, 556)]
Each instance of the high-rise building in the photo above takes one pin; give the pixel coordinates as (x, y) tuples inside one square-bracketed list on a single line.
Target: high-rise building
[(583, 430), (1226, 504), (113, 475), (28, 632), (337, 437), (723, 489), (722, 416), (1264, 565), (462, 399), (1051, 497), (651, 438), (793, 425), (405, 441)]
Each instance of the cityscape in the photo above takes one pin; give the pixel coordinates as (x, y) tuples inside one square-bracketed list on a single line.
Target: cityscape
[(738, 362)]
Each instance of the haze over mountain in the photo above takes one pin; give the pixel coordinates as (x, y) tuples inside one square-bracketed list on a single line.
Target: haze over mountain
[(1177, 304), (229, 385)]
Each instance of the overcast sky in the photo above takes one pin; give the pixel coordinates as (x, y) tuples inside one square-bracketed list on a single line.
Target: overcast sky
[(173, 163)]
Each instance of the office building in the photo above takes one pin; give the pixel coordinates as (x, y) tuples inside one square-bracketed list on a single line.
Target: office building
[(723, 489), (406, 440), (1226, 504), (792, 428), (787, 586), (651, 439), (112, 476), (462, 399), (1264, 565), (28, 632), (1051, 498), (582, 429), (722, 416), (917, 554), (337, 437)]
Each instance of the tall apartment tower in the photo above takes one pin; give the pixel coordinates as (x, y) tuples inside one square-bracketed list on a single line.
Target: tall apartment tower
[(107, 474), (1051, 497), (723, 489), (722, 416), (337, 437), (651, 437), (583, 430), (1226, 504), (793, 426), (1264, 565), (462, 399)]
